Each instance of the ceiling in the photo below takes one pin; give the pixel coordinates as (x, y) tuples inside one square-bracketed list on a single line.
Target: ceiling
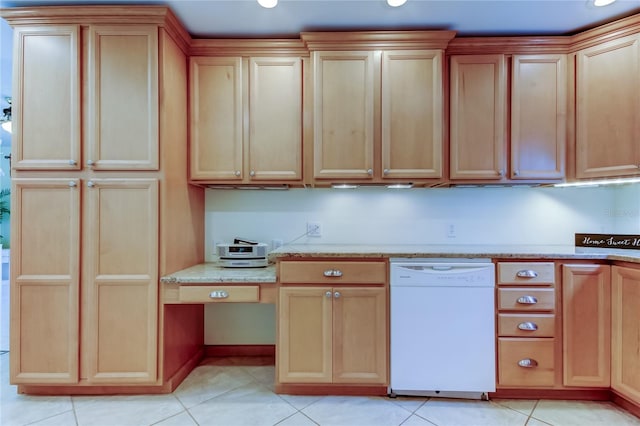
[(245, 18)]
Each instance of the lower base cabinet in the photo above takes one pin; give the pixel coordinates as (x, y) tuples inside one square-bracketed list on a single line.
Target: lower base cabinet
[(625, 332), (332, 335)]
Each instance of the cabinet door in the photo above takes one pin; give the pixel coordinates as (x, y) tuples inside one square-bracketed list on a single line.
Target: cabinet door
[(607, 109), (586, 307), (538, 116), (120, 281), (478, 117), (46, 111), (275, 119), (45, 226), (412, 109), (122, 93), (305, 335), (359, 335), (216, 116), (625, 332), (343, 114)]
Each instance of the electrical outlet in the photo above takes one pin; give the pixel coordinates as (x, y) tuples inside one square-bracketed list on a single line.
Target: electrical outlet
[(451, 230), (314, 229)]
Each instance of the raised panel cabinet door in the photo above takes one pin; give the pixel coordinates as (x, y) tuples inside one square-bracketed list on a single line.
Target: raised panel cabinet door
[(120, 281), (45, 294), (412, 114), (46, 109), (625, 332), (586, 312), (607, 109), (478, 117), (216, 118), (538, 116), (343, 84), (359, 335), (122, 93), (275, 119), (304, 335)]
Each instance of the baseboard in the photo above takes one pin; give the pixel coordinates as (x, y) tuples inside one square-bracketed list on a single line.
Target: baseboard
[(623, 402), (240, 350), (319, 389), (182, 373), (577, 394)]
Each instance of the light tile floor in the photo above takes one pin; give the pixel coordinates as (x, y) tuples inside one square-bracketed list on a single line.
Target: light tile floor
[(239, 391)]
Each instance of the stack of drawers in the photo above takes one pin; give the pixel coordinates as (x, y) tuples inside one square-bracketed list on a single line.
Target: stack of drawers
[(526, 324)]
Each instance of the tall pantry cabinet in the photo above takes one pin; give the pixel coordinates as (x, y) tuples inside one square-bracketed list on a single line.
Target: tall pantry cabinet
[(93, 192)]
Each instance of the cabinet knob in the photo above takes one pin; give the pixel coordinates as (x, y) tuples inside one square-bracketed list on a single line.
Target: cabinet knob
[(516, 173), (385, 171), (528, 326), (72, 184), (237, 173), (370, 172), (527, 300), (328, 295), (332, 273), (337, 295), (526, 273), (528, 363), (90, 163), (72, 162), (91, 184), (501, 172), (218, 294), (252, 173)]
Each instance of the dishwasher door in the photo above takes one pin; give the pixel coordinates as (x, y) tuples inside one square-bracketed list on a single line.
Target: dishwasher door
[(442, 329)]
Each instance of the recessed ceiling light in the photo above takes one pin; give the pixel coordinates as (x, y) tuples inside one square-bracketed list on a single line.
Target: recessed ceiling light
[(268, 3), (396, 3), (602, 2)]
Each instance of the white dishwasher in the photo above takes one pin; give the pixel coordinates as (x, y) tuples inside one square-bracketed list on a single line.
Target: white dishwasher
[(442, 327)]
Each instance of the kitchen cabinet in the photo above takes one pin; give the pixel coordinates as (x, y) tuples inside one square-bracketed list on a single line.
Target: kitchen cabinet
[(332, 333), (101, 205), (625, 332), (492, 139), (607, 107), (586, 308), (378, 113), (119, 80), (245, 113), (526, 324)]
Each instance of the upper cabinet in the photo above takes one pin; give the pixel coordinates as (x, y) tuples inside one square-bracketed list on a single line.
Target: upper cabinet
[(118, 75), (377, 112), (608, 109), (246, 119), (497, 140)]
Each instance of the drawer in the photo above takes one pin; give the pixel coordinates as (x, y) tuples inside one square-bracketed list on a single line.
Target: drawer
[(526, 299), (526, 325), (526, 273), (525, 362), (218, 293), (331, 273)]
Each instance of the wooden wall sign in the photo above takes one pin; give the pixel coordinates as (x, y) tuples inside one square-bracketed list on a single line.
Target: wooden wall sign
[(617, 241)]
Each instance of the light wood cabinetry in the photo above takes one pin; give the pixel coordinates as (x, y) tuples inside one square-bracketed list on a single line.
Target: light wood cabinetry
[(100, 168), (332, 333), (625, 332), (607, 109), (526, 324), (480, 139), (246, 119), (586, 321), (378, 113)]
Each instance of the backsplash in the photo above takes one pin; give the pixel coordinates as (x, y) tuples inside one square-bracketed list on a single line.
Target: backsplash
[(511, 215)]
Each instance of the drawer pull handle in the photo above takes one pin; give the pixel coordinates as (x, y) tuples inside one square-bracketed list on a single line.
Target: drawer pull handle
[(219, 294), (528, 363), (527, 300), (528, 326), (527, 273), (333, 273)]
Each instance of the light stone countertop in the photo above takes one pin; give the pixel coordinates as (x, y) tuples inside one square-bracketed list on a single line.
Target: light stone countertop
[(211, 272)]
